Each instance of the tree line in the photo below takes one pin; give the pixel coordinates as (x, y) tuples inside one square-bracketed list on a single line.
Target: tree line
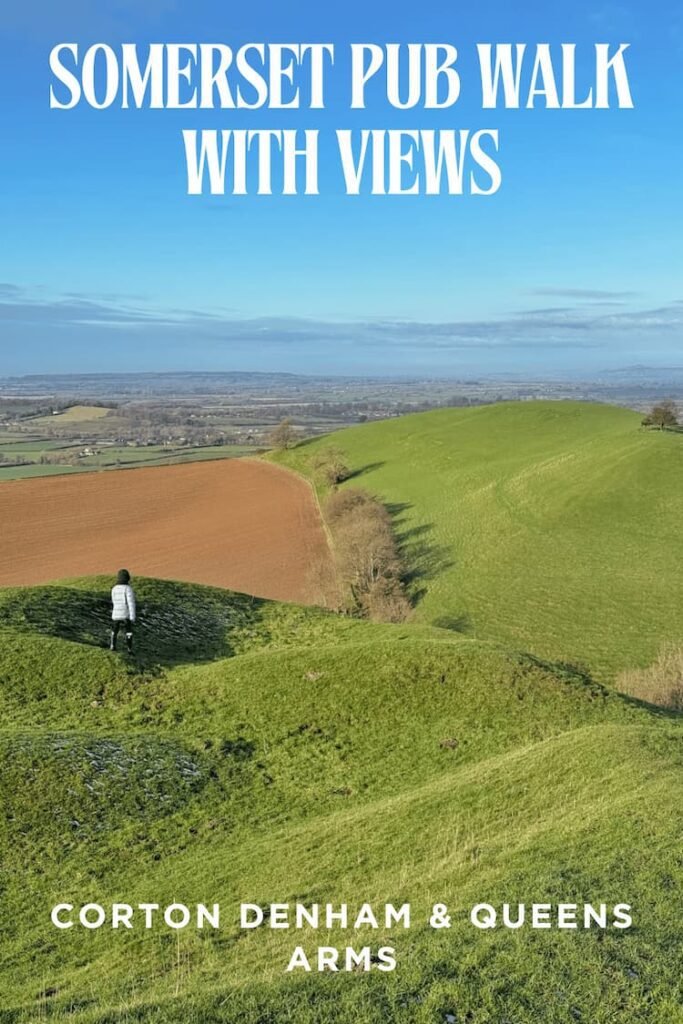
[(370, 570)]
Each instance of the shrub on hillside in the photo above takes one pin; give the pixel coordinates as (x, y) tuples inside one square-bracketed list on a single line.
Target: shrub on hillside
[(341, 504), (368, 558), (386, 601), (660, 683), (329, 465)]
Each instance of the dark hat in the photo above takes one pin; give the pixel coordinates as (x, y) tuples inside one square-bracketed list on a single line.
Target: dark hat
[(123, 576)]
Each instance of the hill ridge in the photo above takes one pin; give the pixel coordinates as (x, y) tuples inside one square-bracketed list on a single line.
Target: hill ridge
[(518, 520)]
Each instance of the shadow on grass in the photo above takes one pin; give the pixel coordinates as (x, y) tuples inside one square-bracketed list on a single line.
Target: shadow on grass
[(176, 623), (580, 675), (423, 559), (455, 623), (657, 710), (362, 470), (305, 442)]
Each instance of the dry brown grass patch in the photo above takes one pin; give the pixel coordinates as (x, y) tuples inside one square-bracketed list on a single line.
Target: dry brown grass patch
[(660, 683)]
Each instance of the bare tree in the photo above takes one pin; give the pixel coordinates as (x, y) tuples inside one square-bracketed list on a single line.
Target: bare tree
[(322, 583), (330, 465), (283, 436), (662, 415), (368, 559)]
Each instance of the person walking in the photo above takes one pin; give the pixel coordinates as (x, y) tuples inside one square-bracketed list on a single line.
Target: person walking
[(123, 609)]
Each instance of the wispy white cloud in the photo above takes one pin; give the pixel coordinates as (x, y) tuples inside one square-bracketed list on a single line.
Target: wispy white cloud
[(582, 293), (583, 325)]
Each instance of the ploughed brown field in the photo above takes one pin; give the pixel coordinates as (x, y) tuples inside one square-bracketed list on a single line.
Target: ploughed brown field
[(237, 523)]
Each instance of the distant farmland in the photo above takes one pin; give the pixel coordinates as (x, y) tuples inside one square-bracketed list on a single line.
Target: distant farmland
[(240, 524), (30, 458)]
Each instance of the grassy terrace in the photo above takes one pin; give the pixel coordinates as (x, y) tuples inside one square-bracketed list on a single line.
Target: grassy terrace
[(260, 752)]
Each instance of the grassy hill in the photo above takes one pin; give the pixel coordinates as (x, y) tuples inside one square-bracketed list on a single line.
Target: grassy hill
[(251, 751), (552, 527), (74, 414)]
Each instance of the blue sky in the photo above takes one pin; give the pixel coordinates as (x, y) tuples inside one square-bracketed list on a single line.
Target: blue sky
[(574, 266)]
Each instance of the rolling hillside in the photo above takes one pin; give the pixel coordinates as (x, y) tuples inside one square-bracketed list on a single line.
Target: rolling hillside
[(74, 414), (259, 752), (251, 751), (552, 527)]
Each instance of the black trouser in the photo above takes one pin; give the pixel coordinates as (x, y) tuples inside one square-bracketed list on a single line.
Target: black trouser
[(116, 626)]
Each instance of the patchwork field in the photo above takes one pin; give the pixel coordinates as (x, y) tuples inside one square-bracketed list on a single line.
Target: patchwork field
[(235, 523), (22, 460)]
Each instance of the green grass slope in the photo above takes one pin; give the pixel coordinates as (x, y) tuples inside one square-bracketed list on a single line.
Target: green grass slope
[(548, 526), (293, 755)]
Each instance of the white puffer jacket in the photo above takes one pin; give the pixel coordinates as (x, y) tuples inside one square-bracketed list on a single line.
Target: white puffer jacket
[(123, 601)]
